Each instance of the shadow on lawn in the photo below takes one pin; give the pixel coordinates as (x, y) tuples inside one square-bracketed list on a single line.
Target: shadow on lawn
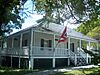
[(92, 71)]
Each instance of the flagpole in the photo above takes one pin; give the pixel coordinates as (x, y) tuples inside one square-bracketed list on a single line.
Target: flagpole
[(55, 45), (61, 39)]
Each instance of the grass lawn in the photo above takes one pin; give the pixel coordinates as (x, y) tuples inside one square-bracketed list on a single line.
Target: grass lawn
[(10, 71), (92, 71)]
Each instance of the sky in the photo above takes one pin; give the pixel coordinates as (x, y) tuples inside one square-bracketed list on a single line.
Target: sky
[(33, 17)]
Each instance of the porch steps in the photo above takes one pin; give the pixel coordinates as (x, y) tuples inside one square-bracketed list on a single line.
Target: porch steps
[(78, 59), (81, 61)]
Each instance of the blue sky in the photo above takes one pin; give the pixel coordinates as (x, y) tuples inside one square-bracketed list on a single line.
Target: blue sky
[(31, 19)]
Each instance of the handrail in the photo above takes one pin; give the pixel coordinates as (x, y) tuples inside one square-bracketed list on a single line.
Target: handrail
[(72, 56), (82, 53)]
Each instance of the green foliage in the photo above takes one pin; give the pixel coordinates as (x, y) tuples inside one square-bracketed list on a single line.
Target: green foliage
[(87, 26), (9, 16), (14, 72), (90, 28), (95, 33), (96, 59), (60, 10), (55, 10)]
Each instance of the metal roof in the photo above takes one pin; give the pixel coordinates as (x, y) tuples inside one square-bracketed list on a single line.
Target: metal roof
[(70, 32)]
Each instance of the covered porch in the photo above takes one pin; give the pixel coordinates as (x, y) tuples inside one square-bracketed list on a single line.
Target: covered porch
[(40, 44)]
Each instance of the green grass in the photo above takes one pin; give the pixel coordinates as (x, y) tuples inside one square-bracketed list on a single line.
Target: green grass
[(14, 72), (92, 71), (11, 71)]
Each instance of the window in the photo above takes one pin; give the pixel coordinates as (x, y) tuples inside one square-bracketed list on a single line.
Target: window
[(46, 43), (25, 43), (72, 46), (50, 43)]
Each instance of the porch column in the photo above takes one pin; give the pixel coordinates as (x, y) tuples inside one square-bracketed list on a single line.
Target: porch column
[(53, 63), (68, 61), (11, 61), (53, 60), (30, 50), (75, 59), (69, 50), (12, 42), (21, 36), (19, 62)]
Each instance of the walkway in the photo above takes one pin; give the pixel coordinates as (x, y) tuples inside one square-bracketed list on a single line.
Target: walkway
[(47, 72)]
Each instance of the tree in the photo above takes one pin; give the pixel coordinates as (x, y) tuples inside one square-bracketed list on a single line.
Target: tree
[(55, 10), (95, 33), (10, 15), (60, 10), (90, 28)]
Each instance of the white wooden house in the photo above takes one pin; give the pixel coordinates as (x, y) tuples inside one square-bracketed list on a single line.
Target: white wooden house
[(35, 48)]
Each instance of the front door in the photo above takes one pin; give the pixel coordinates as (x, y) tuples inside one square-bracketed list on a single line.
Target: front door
[(72, 47)]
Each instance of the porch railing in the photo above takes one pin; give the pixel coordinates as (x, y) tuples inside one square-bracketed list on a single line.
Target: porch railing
[(36, 52), (50, 52), (14, 51)]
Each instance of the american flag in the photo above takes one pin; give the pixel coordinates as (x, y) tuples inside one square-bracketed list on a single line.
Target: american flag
[(63, 36)]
